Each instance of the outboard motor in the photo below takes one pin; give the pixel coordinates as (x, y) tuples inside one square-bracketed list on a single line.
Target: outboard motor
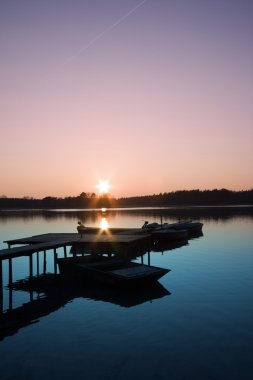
[(80, 228), (145, 224)]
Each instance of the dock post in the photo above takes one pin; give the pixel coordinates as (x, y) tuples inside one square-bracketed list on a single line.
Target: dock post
[(1, 271), (55, 263), (65, 251), (31, 266), (44, 263), (10, 272), (148, 258), (38, 264), (10, 298), (1, 286)]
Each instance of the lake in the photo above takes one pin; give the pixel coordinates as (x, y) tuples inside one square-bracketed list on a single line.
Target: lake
[(197, 323)]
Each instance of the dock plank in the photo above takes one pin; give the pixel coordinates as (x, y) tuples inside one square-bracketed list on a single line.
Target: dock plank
[(26, 250), (43, 238)]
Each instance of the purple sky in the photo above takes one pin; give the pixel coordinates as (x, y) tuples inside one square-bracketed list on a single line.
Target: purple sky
[(153, 96)]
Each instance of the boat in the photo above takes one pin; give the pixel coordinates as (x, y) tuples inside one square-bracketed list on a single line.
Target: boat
[(188, 225), (165, 231), (110, 271)]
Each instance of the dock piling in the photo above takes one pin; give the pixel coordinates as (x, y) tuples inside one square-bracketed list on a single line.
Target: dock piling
[(10, 298), (30, 266), (10, 272), (38, 264), (44, 262), (55, 261), (1, 286)]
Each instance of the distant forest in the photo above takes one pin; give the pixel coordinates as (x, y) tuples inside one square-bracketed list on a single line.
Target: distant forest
[(91, 200)]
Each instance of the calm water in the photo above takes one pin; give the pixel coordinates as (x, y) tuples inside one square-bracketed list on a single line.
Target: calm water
[(198, 324)]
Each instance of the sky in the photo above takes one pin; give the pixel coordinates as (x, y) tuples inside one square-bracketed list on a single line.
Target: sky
[(153, 96)]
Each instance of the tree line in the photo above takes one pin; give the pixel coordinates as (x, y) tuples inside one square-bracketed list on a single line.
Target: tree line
[(91, 200), (191, 198), (84, 200)]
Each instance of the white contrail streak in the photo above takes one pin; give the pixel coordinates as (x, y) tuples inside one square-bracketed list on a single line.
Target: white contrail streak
[(105, 31)]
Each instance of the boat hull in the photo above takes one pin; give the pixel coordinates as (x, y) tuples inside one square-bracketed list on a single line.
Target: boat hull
[(191, 227)]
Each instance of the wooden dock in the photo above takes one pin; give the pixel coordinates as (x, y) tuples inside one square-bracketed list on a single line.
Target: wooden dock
[(125, 242), (44, 242)]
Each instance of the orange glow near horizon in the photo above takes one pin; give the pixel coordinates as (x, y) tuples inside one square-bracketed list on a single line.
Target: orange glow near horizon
[(179, 118)]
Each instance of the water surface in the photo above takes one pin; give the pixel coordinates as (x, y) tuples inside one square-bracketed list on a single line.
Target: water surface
[(197, 324)]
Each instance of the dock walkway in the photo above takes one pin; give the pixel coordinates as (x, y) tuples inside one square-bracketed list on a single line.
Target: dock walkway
[(49, 241), (11, 253), (121, 240)]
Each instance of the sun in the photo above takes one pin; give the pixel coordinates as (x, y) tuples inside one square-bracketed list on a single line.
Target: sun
[(103, 187)]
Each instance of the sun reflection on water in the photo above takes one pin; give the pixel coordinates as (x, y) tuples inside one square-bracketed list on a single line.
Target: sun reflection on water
[(104, 225)]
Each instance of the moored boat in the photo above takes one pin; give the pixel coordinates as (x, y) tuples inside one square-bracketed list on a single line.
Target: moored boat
[(188, 225)]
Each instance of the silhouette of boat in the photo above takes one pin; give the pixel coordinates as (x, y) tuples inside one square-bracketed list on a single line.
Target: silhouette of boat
[(169, 230), (110, 271), (189, 225), (165, 231)]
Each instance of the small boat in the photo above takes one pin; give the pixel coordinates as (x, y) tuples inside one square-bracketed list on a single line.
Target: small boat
[(111, 271), (188, 225), (165, 231)]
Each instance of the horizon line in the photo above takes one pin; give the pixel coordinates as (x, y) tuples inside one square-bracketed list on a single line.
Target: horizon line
[(28, 197)]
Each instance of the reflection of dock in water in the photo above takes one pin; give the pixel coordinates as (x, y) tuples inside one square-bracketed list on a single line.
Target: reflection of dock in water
[(162, 246), (49, 293)]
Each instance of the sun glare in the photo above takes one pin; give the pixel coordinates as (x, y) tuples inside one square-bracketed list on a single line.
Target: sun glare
[(103, 187)]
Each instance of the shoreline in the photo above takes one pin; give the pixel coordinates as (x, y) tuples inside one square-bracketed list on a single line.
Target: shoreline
[(177, 207)]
